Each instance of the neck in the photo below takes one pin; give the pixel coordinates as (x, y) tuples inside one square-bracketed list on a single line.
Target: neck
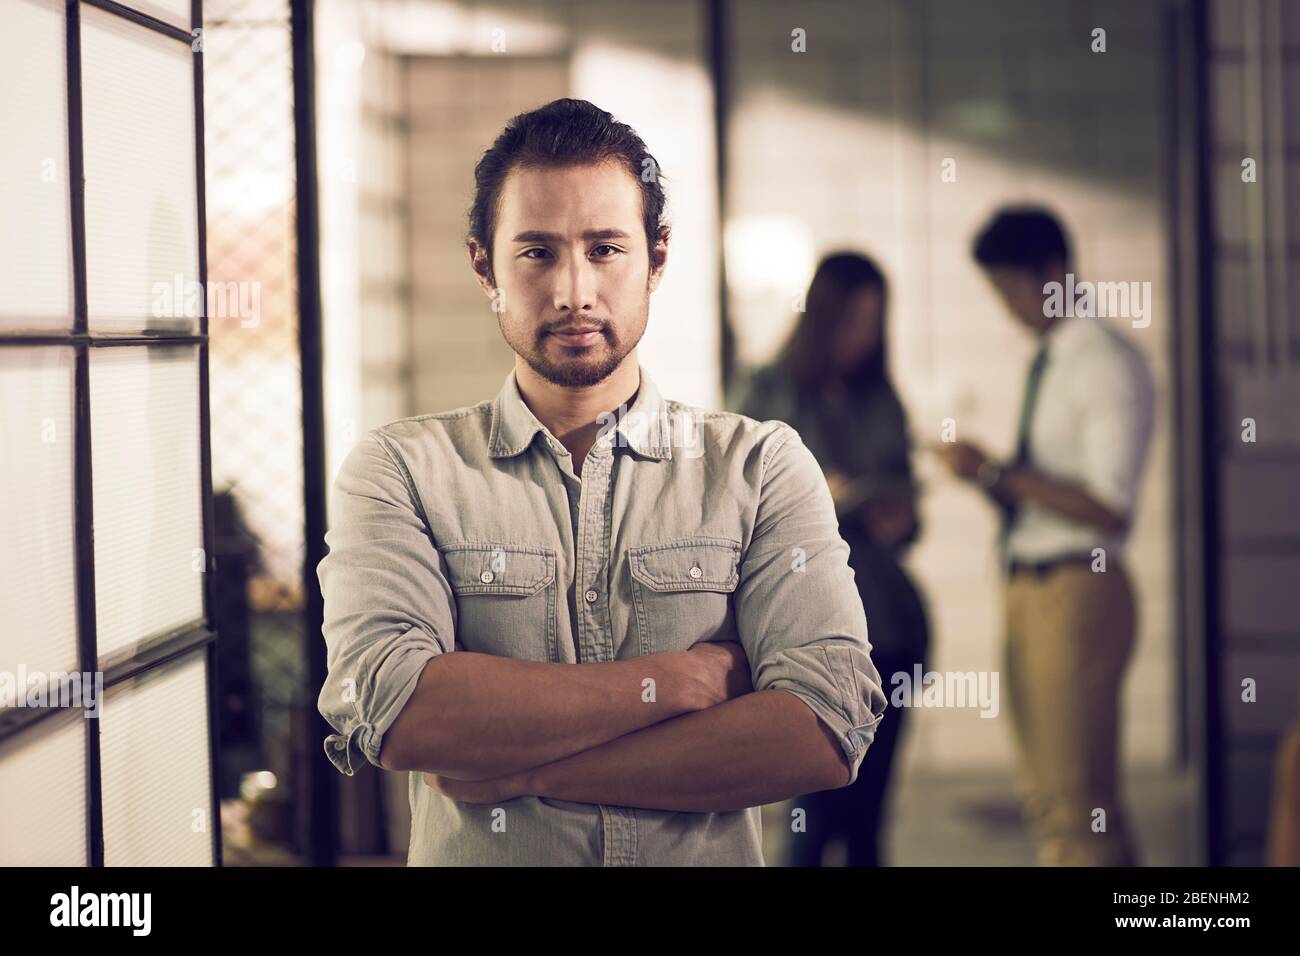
[(1067, 282), (1049, 323), (573, 413)]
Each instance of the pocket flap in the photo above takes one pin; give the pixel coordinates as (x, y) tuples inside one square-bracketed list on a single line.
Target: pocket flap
[(498, 568), (692, 564)]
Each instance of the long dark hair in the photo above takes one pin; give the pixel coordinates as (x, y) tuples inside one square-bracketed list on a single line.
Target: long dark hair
[(808, 354)]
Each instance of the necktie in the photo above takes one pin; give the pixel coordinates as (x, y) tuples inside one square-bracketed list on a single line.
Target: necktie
[(1032, 382), (1027, 406)]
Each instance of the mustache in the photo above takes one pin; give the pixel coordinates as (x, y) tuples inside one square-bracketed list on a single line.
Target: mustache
[(589, 325)]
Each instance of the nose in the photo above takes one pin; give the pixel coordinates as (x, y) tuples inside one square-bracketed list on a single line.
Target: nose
[(575, 286)]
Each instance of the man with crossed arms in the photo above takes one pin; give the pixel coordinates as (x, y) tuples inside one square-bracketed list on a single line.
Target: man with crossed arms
[(597, 626)]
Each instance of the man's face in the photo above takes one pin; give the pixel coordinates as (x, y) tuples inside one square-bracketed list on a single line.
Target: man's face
[(569, 253), (1021, 291)]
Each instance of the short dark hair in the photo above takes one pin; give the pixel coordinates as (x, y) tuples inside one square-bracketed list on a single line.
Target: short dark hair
[(564, 132), (1022, 237)]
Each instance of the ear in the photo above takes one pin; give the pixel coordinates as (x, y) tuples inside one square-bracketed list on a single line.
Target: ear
[(1054, 271), (659, 258), (482, 266)]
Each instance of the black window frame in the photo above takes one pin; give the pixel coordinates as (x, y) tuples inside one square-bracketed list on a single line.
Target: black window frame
[(153, 651)]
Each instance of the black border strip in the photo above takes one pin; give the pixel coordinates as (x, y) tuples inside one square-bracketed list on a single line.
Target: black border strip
[(205, 435), (319, 826), (1180, 248), (718, 40), (101, 340), (1214, 783), (167, 647), (77, 188), (141, 19), (83, 481), (129, 664)]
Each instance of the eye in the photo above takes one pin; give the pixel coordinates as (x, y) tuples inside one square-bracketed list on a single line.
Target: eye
[(525, 253), (605, 245)]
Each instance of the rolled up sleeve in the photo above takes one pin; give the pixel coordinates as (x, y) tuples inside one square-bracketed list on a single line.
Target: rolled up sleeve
[(798, 609), (389, 608)]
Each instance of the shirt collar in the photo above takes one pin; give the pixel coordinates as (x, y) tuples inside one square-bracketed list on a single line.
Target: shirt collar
[(644, 428), (1064, 332)]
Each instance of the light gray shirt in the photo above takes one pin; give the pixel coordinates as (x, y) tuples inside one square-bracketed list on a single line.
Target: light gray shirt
[(685, 525)]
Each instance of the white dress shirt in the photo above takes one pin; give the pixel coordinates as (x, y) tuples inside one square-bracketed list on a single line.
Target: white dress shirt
[(1091, 426)]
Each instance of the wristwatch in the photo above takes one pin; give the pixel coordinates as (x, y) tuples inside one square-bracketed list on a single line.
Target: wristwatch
[(989, 473)]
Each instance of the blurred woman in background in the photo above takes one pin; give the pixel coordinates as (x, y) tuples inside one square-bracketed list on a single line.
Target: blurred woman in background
[(831, 383)]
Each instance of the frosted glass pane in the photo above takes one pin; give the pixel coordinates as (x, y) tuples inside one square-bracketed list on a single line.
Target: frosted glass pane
[(157, 784), (141, 194), (175, 12), (43, 799), (35, 242), (38, 586), (144, 411)]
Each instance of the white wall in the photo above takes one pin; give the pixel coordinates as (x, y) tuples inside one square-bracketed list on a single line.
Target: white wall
[(469, 69), (842, 146), (839, 146)]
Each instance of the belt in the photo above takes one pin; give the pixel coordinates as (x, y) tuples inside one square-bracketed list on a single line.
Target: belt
[(1043, 566)]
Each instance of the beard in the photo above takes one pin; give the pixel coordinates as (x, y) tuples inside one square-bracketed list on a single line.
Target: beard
[(574, 366)]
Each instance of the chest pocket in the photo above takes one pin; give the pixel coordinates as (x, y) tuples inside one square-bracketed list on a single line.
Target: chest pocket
[(505, 599), (682, 592)]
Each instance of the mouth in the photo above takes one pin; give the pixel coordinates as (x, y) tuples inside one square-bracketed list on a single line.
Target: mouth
[(578, 337)]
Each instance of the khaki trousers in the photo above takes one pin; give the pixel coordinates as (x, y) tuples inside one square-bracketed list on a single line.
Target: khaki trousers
[(1070, 635)]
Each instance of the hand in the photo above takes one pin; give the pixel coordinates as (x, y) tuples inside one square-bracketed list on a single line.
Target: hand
[(717, 671), (494, 790), (962, 458)]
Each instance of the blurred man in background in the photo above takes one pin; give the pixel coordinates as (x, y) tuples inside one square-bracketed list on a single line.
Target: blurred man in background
[(1067, 498)]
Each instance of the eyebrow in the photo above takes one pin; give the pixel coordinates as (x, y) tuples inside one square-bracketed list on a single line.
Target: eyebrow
[(537, 235)]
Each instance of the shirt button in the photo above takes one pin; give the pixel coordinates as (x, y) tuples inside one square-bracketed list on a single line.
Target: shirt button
[(591, 596), (695, 572), (487, 577)]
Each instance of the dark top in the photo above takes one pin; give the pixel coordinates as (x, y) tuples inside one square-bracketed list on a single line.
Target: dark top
[(860, 432)]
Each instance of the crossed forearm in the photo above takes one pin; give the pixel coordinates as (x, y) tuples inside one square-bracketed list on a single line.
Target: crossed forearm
[(760, 748), (478, 716)]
